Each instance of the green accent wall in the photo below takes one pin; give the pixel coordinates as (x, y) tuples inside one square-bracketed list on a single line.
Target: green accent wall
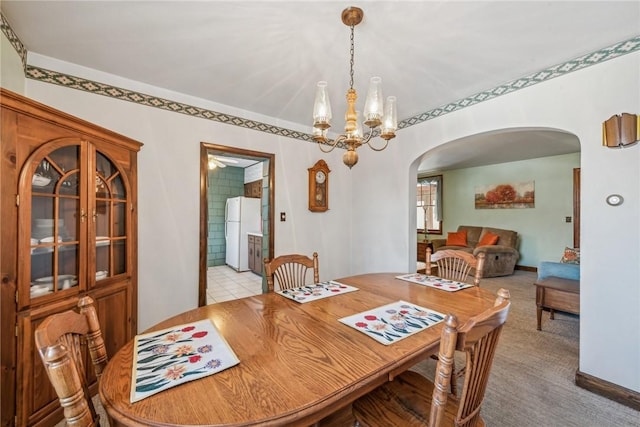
[(223, 183), (543, 232)]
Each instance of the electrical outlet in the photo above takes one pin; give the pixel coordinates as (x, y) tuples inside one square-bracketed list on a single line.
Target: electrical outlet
[(283, 216)]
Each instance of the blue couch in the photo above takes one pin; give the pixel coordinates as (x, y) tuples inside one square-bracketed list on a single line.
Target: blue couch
[(558, 269)]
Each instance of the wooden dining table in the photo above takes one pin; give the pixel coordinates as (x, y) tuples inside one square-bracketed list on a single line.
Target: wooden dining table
[(298, 362)]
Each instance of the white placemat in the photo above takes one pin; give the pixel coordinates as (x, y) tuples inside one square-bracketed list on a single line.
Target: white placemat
[(316, 291), (393, 322), (167, 358), (434, 282)]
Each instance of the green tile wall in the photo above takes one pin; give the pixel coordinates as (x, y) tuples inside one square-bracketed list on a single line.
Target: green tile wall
[(223, 184)]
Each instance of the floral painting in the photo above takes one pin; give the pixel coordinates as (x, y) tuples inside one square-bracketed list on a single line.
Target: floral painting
[(393, 322), (505, 196), (167, 358)]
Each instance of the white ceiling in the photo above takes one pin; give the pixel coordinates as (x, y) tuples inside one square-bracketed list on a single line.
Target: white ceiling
[(267, 56)]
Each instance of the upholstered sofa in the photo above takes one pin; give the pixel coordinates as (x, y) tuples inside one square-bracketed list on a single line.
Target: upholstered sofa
[(500, 256)]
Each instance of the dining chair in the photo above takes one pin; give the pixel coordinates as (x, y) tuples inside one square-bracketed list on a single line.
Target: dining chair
[(412, 400), (290, 271), (60, 340), (455, 265)]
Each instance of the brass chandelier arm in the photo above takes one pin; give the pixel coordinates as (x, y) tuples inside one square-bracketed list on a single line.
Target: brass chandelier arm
[(332, 145), (386, 142)]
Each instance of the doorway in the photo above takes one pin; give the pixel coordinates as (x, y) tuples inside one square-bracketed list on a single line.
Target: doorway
[(268, 230)]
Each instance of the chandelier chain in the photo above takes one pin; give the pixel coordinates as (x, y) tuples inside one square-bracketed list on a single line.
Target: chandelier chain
[(351, 53)]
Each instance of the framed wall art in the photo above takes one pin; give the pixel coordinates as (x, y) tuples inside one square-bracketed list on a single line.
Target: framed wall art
[(505, 196)]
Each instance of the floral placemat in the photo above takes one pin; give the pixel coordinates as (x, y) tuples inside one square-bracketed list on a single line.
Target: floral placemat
[(393, 322), (316, 291), (167, 358), (434, 282)]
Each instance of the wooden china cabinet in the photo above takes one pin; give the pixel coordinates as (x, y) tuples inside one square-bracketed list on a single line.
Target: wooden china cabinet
[(68, 229)]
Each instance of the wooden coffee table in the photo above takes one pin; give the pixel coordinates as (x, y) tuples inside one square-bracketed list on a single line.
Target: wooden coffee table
[(554, 293)]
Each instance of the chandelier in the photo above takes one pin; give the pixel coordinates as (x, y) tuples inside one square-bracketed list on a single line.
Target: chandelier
[(375, 113)]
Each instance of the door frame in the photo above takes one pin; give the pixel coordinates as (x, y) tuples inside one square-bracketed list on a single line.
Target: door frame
[(205, 148), (576, 207)]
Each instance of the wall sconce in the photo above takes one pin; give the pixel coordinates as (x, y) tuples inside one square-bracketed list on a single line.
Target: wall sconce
[(621, 130)]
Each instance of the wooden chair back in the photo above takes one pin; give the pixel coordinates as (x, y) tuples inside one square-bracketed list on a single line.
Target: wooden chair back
[(455, 265), (412, 400), (290, 271), (60, 339), (478, 338)]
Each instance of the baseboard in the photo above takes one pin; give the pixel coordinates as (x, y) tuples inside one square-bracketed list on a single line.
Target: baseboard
[(609, 390), (526, 268)]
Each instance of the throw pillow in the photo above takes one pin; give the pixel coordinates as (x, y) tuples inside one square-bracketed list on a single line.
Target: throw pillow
[(488, 239), (571, 256), (457, 238)]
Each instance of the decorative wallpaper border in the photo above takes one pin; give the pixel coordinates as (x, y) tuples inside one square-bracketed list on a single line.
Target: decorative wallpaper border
[(79, 83), (97, 88), (13, 39), (602, 55)]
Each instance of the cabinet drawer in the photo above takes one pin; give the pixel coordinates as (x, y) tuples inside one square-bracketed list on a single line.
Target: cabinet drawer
[(561, 300)]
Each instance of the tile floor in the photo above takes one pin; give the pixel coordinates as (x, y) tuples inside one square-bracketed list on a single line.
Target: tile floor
[(224, 283)]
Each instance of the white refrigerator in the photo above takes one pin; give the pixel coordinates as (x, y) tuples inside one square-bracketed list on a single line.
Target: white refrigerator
[(242, 215)]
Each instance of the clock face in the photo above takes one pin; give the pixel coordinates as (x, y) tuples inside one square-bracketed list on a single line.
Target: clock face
[(320, 177)]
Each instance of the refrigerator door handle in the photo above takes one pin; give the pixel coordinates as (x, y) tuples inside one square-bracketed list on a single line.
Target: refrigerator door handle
[(226, 217)]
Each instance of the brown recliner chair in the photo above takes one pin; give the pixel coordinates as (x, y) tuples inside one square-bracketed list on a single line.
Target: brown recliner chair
[(500, 258)]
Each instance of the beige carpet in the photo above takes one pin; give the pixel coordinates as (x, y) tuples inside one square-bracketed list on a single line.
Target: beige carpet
[(532, 380)]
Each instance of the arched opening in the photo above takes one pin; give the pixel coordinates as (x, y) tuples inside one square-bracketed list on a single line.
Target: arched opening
[(547, 156)]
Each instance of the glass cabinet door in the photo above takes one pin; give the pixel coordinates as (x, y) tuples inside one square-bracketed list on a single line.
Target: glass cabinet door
[(110, 217), (55, 222)]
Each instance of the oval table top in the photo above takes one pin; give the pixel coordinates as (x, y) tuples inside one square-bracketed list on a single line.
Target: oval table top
[(298, 363)]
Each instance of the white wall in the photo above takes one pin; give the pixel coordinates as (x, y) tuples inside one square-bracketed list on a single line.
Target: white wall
[(610, 237), (371, 224), (542, 230), (11, 72)]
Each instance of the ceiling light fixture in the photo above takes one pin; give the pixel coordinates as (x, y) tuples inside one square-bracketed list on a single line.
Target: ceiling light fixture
[(375, 114), (219, 162)]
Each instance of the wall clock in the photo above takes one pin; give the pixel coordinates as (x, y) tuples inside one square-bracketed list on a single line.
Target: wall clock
[(319, 187)]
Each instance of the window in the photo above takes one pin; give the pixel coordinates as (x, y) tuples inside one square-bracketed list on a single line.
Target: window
[(429, 204)]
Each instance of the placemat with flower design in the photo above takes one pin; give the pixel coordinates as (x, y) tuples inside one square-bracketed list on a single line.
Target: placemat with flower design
[(167, 358), (316, 291), (393, 322), (434, 282)]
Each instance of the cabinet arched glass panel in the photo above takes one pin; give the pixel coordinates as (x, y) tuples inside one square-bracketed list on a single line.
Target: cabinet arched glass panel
[(110, 220), (55, 222)]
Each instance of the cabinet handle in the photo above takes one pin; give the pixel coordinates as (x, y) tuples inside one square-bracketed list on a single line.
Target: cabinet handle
[(83, 215), (95, 216)]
